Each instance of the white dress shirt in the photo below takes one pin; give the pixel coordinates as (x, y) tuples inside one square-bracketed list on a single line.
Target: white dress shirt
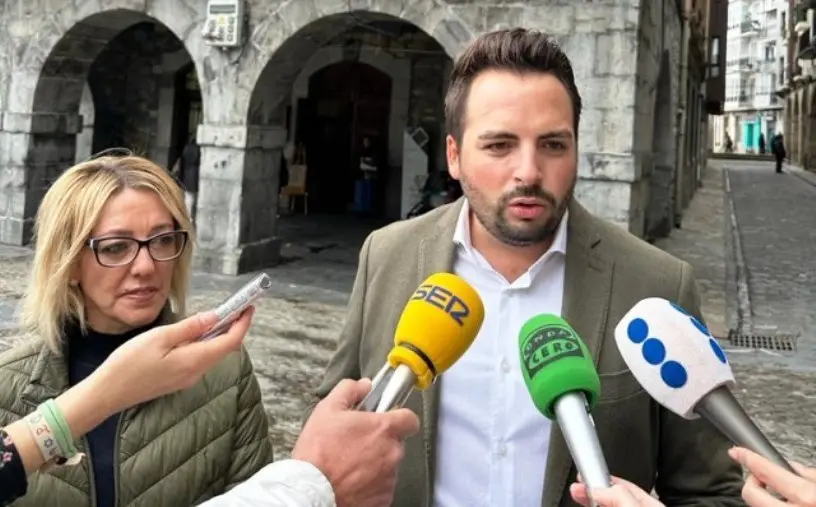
[(492, 442)]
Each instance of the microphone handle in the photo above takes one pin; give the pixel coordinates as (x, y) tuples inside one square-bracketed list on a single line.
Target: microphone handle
[(578, 429), (397, 389), (369, 403), (720, 408)]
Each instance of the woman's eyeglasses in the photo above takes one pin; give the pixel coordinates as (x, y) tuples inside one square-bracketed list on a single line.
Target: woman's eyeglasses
[(115, 251)]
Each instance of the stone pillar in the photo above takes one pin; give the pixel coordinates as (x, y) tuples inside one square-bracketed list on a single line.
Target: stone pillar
[(238, 198), (801, 135), (164, 120), (34, 150), (84, 138)]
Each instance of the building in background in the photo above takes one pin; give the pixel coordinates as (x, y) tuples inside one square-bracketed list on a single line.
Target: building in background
[(257, 79), (755, 70), (799, 92)]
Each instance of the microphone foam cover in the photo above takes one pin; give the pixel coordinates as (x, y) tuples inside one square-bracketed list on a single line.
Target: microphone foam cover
[(672, 355), (554, 362), (439, 323)]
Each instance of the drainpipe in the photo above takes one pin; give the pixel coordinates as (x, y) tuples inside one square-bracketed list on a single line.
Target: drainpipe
[(682, 114)]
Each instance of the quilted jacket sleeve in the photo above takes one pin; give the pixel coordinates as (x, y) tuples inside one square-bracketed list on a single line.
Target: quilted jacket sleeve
[(287, 483), (252, 448)]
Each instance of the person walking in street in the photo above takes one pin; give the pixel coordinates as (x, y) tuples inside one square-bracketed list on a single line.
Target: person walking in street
[(778, 150)]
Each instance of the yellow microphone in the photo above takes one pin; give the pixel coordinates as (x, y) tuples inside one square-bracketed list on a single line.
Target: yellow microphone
[(437, 326)]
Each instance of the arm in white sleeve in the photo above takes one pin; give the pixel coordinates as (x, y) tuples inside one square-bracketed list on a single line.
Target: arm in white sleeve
[(286, 483)]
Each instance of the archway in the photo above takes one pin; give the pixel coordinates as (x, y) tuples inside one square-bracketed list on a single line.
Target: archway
[(346, 103), (660, 208), (109, 66), (410, 112)]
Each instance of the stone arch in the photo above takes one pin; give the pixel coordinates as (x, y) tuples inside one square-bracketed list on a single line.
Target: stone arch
[(48, 85), (249, 133), (303, 34), (660, 210), (399, 70), (71, 50)]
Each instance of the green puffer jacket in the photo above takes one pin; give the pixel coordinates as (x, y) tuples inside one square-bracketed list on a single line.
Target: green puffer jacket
[(176, 451)]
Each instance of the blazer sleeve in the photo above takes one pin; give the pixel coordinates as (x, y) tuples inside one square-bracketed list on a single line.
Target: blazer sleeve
[(693, 463), (345, 363), (252, 447)]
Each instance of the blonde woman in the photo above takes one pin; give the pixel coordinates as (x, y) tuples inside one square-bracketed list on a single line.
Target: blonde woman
[(112, 260)]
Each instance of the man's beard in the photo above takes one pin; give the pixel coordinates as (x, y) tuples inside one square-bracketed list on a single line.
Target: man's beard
[(494, 219)]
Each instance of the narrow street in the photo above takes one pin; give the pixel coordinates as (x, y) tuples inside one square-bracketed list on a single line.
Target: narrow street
[(760, 282)]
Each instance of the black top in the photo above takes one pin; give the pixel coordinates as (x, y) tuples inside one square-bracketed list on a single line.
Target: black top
[(85, 354)]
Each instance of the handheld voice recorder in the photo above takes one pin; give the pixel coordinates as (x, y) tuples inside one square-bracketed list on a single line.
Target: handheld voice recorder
[(234, 306)]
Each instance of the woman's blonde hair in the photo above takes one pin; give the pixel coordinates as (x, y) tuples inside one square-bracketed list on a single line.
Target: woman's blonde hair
[(65, 219)]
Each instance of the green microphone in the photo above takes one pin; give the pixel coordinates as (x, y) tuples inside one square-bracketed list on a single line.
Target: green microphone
[(560, 374)]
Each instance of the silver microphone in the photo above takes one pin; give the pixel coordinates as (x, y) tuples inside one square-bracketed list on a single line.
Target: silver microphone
[(578, 428), (564, 385)]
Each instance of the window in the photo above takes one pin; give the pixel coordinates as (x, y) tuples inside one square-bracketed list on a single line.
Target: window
[(783, 24), (770, 52), (715, 51), (781, 70)]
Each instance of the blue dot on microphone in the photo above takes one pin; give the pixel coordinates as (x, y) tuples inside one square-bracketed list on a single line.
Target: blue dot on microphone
[(638, 330), (654, 352), (700, 326), (679, 308), (718, 351), (673, 374)]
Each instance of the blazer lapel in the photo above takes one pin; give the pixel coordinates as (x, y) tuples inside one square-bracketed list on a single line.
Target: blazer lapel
[(436, 254), (587, 289)]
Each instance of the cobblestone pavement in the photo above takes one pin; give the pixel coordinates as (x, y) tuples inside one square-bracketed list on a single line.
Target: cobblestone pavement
[(776, 223), (296, 326)]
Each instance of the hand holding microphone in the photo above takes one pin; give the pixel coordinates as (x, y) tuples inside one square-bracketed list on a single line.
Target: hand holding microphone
[(679, 363), (358, 453), (562, 380), (796, 489), (622, 494), (439, 323)]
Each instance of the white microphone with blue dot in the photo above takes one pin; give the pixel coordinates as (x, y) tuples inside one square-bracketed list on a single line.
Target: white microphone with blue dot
[(677, 361)]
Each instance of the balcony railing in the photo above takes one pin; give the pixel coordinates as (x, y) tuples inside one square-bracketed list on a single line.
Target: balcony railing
[(750, 27)]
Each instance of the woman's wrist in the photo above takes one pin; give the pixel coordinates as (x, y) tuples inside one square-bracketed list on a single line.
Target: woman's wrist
[(86, 405)]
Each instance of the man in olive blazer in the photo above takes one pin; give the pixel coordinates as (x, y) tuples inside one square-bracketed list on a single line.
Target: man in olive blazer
[(608, 270)]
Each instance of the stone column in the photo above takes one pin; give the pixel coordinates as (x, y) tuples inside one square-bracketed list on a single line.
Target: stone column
[(238, 198), (34, 150), (162, 146)]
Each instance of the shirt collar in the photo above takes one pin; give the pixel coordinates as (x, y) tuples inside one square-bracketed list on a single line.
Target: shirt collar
[(461, 234)]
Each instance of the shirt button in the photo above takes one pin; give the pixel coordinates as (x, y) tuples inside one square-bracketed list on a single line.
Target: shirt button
[(505, 366), (502, 449)]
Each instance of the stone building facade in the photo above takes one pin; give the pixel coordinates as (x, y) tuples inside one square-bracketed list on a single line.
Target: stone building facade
[(799, 90), (76, 76)]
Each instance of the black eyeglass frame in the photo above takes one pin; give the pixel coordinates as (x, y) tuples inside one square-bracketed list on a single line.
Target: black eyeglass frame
[(93, 244)]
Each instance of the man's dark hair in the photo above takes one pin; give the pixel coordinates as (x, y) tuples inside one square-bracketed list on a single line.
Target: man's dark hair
[(517, 50)]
